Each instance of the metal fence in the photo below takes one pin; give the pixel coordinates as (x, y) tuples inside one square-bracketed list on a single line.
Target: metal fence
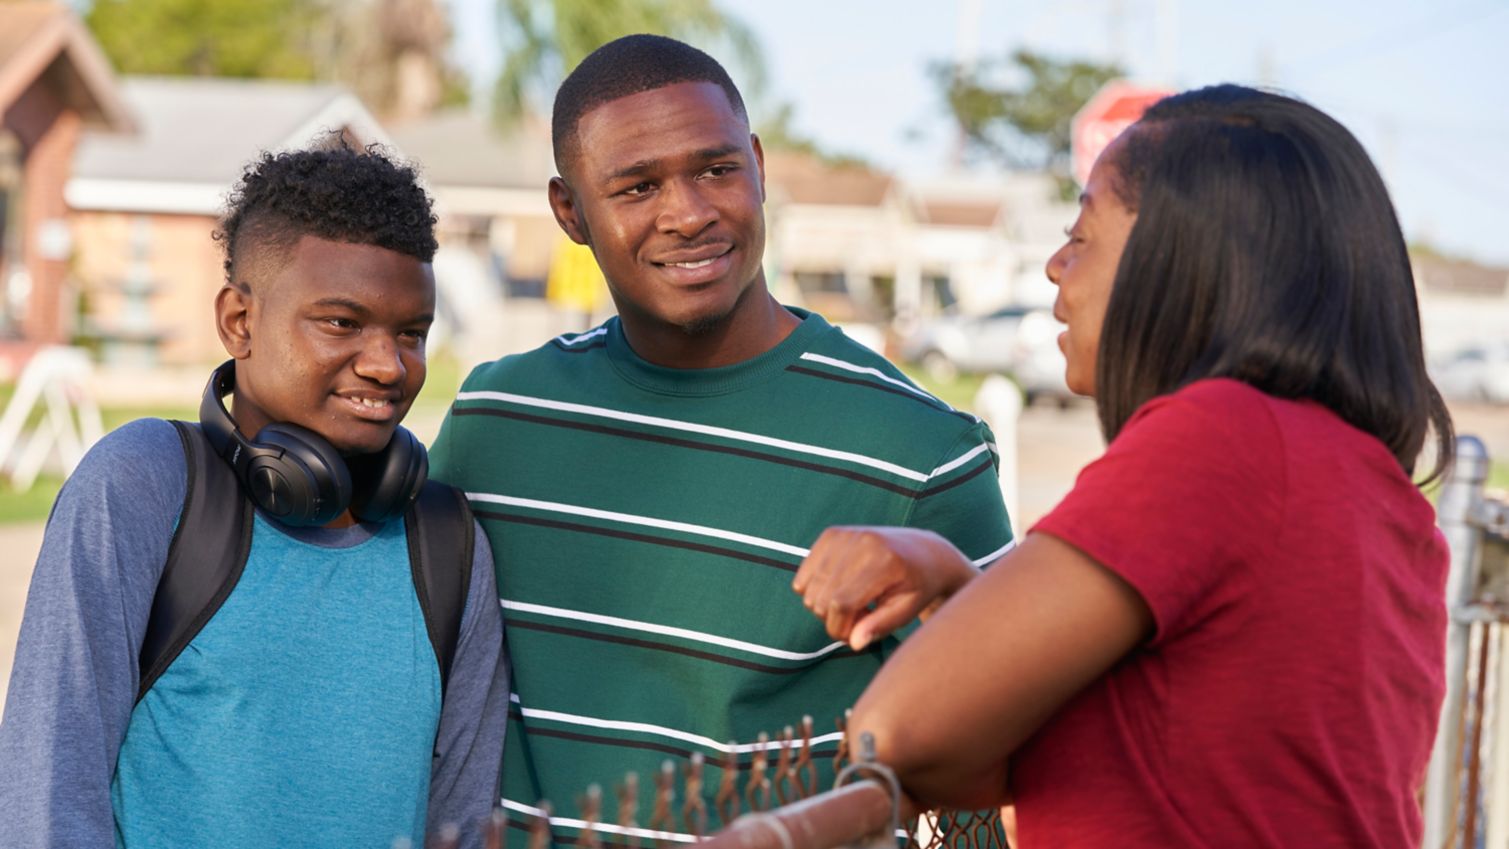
[(1466, 794), (781, 810)]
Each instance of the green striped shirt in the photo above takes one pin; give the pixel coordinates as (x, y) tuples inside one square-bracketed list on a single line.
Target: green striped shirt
[(646, 524)]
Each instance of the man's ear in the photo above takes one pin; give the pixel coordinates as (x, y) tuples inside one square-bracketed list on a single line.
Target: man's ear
[(233, 308), (759, 152), (567, 213)]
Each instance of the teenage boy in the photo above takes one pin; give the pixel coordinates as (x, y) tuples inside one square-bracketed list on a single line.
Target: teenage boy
[(650, 486), (310, 709)]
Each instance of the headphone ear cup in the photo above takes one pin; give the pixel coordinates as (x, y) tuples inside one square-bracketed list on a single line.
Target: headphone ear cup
[(387, 482), (308, 485)]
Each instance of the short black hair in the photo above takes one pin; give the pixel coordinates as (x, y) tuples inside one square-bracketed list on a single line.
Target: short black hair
[(332, 192), (1265, 249), (625, 66)]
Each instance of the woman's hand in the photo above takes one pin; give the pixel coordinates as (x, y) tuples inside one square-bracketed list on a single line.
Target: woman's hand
[(904, 572), (992, 666)]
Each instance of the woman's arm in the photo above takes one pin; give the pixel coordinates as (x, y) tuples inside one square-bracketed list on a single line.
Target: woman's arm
[(992, 665)]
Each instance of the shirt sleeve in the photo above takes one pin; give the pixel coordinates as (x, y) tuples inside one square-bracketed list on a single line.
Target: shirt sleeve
[(962, 501), (469, 745), (73, 685), (1186, 497)]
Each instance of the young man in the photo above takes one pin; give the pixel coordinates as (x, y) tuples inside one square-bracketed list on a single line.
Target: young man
[(307, 711), (650, 486)]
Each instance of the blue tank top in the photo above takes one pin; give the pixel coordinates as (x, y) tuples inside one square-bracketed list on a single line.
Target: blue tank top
[(302, 715)]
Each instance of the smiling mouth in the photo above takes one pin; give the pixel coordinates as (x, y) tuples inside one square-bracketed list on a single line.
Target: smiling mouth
[(371, 409), (693, 257), (701, 263)]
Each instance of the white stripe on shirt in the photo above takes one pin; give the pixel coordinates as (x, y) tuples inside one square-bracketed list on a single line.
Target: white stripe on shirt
[(875, 372), (994, 555), (581, 338), (653, 628), (646, 521), (607, 827), (672, 733), (693, 427)]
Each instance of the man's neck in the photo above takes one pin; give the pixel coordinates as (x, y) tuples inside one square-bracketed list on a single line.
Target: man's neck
[(749, 331)]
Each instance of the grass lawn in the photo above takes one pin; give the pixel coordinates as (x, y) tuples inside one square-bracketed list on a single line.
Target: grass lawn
[(1498, 475)]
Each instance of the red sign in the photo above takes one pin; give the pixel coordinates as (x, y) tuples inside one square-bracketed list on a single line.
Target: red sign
[(1115, 107)]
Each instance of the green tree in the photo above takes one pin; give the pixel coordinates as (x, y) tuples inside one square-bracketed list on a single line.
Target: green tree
[(544, 39), (226, 38), (392, 53), (1018, 110)]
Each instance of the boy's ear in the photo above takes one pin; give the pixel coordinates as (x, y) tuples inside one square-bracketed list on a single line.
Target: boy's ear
[(232, 313), (567, 214)]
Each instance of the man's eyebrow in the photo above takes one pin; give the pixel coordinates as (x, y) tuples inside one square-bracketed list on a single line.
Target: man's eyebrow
[(717, 152), (641, 167), (361, 310), (645, 166), (343, 303)]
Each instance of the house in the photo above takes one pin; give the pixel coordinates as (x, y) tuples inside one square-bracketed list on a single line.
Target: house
[(833, 232), (1462, 304), (489, 188), (865, 245), (55, 85), (498, 237), (143, 207)]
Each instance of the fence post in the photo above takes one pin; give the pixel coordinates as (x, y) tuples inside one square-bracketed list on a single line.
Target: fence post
[(1460, 494), (999, 402)]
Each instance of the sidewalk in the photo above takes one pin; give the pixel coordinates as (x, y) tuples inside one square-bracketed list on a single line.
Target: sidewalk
[(20, 544)]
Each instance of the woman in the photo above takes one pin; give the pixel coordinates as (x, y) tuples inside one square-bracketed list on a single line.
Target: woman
[(1231, 632)]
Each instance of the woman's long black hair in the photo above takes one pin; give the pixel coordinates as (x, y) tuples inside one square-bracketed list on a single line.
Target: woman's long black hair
[(1265, 250)]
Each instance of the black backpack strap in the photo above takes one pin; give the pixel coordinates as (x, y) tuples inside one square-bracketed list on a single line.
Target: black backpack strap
[(205, 559), (441, 546)]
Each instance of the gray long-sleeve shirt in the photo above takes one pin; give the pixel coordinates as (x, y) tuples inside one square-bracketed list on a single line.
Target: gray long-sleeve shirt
[(74, 683)]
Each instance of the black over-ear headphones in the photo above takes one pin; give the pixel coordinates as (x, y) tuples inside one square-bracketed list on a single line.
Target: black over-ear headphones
[(294, 474)]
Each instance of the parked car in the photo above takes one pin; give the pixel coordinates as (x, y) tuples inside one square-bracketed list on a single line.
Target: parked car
[(947, 346), (1020, 342), (1039, 365), (1479, 373)]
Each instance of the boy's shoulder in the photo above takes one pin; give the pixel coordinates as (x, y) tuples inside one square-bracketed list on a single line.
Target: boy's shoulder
[(144, 454)]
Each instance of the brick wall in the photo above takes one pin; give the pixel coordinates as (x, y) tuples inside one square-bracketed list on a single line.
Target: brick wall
[(175, 253), (49, 133)]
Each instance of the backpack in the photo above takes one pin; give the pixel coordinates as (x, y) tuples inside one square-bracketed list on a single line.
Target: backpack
[(213, 540)]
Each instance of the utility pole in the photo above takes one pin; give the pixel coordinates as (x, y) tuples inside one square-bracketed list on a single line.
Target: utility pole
[(966, 57), (1116, 33), (1167, 18)]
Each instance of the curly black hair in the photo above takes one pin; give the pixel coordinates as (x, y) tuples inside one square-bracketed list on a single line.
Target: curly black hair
[(334, 192)]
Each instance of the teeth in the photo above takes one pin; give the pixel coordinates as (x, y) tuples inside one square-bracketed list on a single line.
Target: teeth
[(373, 402), (701, 263)]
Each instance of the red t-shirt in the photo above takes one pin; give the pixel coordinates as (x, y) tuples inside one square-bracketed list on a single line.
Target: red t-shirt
[(1290, 693)]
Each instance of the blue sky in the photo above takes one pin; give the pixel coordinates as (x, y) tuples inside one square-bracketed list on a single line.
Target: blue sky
[(1424, 85)]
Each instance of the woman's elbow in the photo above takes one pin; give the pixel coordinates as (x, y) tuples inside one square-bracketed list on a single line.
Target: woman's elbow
[(930, 766)]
